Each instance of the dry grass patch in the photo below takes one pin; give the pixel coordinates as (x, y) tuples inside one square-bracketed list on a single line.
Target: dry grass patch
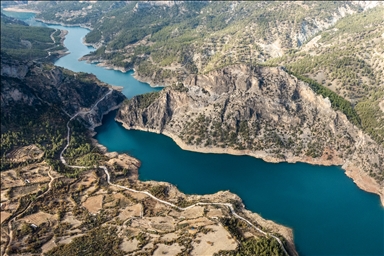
[(10, 179), (36, 173), (199, 222), (130, 211), (164, 249), (25, 190), (4, 215), (39, 218), (129, 245), (213, 212), (160, 224), (214, 241), (86, 181), (12, 206), (165, 224), (169, 237), (193, 212), (4, 195), (69, 218), (48, 246), (94, 203), (69, 239)]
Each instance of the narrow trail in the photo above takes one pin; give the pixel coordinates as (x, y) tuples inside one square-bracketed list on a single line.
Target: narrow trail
[(52, 37), (230, 206), (10, 235)]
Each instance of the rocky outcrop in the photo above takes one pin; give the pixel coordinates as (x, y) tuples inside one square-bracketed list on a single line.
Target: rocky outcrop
[(142, 6), (258, 111), (12, 68), (31, 84)]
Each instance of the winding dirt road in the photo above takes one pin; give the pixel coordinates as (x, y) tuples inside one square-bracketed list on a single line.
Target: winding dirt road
[(10, 235), (230, 206)]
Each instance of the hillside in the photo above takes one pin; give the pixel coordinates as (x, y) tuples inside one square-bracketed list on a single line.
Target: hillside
[(36, 100), (98, 205), (338, 44), (348, 58), (48, 207), (259, 111), (22, 41), (193, 37)]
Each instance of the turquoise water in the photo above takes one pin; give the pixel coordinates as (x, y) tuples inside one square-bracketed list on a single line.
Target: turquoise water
[(328, 213)]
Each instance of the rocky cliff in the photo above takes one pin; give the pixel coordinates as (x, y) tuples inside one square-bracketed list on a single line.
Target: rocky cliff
[(31, 84), (259, 111)]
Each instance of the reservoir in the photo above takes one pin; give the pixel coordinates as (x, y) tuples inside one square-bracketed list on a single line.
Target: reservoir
[(328, 213)]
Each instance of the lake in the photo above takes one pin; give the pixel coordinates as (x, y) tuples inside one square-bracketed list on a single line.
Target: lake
[(328, 213)]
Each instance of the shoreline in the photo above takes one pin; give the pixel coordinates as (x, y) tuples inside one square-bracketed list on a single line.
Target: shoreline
[(285, 231), (51, 22), (15, 9), (365, 182)]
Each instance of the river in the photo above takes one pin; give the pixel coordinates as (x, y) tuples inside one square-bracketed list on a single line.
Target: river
[(328, 213)]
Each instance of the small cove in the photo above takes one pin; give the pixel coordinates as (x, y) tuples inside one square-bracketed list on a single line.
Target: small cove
[(328, 213)]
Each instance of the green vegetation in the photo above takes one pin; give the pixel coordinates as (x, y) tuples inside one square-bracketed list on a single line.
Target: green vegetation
[(337, 102), (347, 61), (262, 245), (159, 191), (372, 118), (99, 241), (251, 246), (147, 99), (34, 121), (25, 42), (42, 125)]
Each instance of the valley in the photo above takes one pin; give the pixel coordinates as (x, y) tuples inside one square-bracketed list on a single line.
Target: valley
[(230, 89)]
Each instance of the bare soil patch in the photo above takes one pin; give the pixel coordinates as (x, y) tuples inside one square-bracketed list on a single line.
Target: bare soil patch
[(71, 220), (39, 218), (48, 246), (10, 179), (4, 195), (94, 203), (169, 237), (129, 245), (25, 190), (193, 212), (164, 249), (215, 213), (199, 222), (130, 211), (4, 215), (69, 239), (36, 173)]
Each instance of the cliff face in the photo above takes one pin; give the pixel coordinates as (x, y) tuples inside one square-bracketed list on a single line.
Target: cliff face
[(258, 111), (31, 84)]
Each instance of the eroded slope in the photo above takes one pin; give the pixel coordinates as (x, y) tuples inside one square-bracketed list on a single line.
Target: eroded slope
[(258, 111)]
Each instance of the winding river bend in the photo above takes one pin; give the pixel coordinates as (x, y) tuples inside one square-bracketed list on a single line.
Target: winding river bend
[(328, 213)]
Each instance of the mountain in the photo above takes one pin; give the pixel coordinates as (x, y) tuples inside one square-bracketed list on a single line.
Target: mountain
[(98, 205), (171, 38), (348, 59), (338, 44), (260, 111)]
